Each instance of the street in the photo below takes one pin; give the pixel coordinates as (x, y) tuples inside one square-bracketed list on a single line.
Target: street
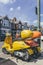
[(38, 61)]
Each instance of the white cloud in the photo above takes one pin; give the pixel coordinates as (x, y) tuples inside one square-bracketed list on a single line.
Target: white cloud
[(41, 14), (18, 8), (35, 22), (11, 1), (7, 1), (42, 24), (11, 9), (4, 1)]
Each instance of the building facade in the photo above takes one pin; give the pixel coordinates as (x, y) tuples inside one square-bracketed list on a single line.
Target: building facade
[(25, 26), (16, 27), (5, 26)]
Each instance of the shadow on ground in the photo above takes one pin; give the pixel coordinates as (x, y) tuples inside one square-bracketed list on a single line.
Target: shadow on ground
[(39, 58), (33, 59), (6, 62)]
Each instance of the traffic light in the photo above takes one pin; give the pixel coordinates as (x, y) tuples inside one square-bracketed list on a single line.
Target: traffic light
[(36, 10)]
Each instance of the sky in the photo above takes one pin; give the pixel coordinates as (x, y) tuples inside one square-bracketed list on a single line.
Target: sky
[(23, 10)]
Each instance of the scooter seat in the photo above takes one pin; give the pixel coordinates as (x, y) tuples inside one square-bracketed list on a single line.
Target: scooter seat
[(32, 43)]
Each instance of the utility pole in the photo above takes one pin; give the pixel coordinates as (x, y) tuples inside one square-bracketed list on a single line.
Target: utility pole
[(38, 11)]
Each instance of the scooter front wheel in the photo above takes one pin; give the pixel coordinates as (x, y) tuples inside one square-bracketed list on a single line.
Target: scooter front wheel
[(26, 56), (36, 53)]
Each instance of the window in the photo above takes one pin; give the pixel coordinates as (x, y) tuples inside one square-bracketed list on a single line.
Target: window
[(3, 31), (6, 23), (20, 26), (1, 21)]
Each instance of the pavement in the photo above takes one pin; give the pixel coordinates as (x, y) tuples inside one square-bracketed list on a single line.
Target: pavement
[(38, 61)]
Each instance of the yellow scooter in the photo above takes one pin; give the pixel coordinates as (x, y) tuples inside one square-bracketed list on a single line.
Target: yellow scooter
[(19, 49)]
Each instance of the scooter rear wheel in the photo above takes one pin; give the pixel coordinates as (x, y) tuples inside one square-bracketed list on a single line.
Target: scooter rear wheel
[(5, 51), (36, 54)]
